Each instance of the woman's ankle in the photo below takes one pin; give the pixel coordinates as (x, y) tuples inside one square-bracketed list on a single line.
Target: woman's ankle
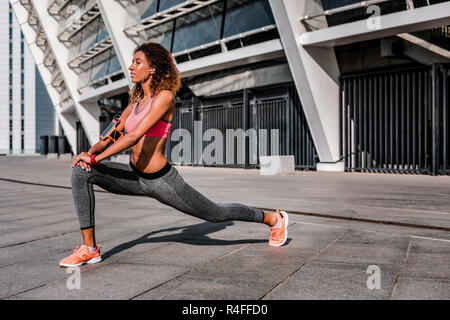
[(270, 219), (88, 237)]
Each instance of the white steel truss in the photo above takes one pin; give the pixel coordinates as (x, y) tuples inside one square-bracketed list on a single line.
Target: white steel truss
[(57, 79), (56, 6), (91, 53), (26, 4), (90, 12), (49, 59), (41, 42)]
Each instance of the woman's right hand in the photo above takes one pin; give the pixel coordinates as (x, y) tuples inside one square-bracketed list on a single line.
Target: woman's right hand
[(84, 165)]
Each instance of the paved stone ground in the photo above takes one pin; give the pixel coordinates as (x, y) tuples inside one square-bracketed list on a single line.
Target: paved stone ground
[(152, 251)]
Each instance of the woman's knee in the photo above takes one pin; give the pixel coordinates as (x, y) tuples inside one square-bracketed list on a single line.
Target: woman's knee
[(79, 174)]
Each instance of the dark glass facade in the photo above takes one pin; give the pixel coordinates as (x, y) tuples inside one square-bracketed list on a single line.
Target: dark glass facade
[(242, 16), (208, 24), (112, 65), (166, 4), (197, 28)]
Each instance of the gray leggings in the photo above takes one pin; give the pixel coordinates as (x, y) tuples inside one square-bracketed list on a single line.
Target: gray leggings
[(166, 186)]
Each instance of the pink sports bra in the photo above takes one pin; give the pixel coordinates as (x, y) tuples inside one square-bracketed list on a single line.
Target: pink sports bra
[(159, 129)]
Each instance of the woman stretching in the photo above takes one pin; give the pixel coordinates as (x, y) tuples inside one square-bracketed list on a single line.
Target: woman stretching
[(147, 122)]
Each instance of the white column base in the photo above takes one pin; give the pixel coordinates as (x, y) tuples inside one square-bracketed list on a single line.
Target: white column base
[(333, 166), (272, 165)]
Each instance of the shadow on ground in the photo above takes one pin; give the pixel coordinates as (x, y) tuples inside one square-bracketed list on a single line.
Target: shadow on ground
[(193, 234)]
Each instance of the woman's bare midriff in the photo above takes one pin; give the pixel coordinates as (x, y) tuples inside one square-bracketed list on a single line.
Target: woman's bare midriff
[(148, 154)]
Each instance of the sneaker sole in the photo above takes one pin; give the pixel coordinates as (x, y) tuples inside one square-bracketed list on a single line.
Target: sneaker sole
[(93, 260), (286, 223)]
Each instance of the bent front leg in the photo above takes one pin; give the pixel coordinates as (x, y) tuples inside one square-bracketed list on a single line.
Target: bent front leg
[(114, 177)]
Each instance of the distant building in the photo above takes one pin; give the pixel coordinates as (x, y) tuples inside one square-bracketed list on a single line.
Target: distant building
[(26, 111)]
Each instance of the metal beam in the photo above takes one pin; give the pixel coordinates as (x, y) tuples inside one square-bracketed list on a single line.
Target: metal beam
[(90, 13), (98, 48), (425, 44), (167, 15), (389, 25), (223, 42), (107, 91), (56, 6), (90, 86), (250, 54)]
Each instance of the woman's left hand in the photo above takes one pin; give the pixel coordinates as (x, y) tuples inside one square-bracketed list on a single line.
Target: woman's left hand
[(84, 156)]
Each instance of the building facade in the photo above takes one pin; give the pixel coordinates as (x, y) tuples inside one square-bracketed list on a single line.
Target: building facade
[(340, 85), (26, 111)]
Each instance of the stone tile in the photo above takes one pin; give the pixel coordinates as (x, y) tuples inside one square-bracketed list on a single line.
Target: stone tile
[(22, 234), (247, 273), (111, 281), (29, 274), (138, 248), (372, 249), (375, 238), (24, 276), (40, 260), (182, 252), (334, 281), (423, 245), (195, 288), (428, 259), (341, 252), (26, 216), (35, 250), (422, 289), (259, 263)]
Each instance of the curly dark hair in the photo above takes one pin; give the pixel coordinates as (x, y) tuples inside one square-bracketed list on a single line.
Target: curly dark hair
[(166, 77)]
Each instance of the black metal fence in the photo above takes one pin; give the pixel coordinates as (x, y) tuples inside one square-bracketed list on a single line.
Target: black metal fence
[(236, 131), (396, 121)]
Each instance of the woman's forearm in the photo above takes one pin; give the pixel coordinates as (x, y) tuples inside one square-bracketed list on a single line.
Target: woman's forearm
[(97, 148), (120, 145)]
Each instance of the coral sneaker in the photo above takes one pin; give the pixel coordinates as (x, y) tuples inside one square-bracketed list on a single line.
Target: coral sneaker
[(80, 256), (278, 236)]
